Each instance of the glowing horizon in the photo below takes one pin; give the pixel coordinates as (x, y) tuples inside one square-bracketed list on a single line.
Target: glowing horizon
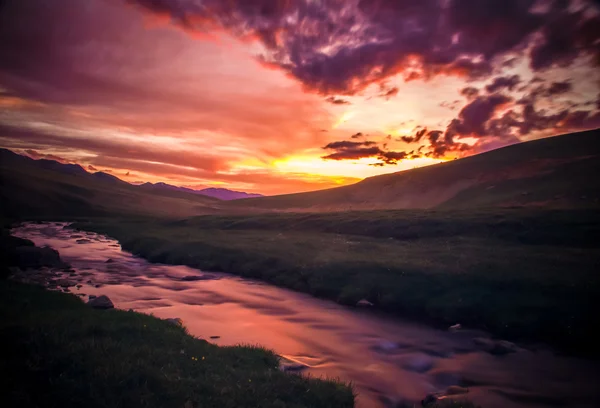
[(233, 98)]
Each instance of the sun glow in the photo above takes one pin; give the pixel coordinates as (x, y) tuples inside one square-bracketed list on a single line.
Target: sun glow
[(360, 168)]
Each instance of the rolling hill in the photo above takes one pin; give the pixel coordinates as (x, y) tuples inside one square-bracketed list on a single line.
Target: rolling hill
[(46, 188), (220, 193), (556, 172)]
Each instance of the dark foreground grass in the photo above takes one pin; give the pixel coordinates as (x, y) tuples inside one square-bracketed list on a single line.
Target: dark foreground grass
[(57, 352), (521, 275)]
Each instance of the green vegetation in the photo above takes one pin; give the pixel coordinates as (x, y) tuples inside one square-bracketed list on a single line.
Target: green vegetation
[(529, 275), (58, 352)]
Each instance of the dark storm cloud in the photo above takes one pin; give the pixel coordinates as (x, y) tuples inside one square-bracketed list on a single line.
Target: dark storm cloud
[(505, 82), (339, 46)]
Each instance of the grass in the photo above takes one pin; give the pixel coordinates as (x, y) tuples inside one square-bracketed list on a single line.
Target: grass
[(521, 275), (58, 352)]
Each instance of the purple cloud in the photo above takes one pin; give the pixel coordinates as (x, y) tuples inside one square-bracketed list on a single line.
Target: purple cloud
[(341, 47), (505, 82), (349, 150)]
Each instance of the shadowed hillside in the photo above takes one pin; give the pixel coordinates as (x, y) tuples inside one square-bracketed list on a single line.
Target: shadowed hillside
[(220, 193), (556, 172), (45, 188)]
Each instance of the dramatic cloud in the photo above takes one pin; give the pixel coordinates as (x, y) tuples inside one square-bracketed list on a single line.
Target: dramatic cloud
[(339, 46), (566, 36), (474, 120), (349, 150), (388, 93), (346, 144), (483, 120), (337, 101), (245, 93), (557, 88), (546, 91), (37, 155), (506, 82), (450, 105), (469, 92), (471, 121)]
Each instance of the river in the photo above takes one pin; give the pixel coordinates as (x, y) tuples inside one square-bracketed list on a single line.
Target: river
[(386, 359)]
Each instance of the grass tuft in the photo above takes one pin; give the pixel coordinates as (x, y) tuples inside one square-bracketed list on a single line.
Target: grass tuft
[(61, 353)]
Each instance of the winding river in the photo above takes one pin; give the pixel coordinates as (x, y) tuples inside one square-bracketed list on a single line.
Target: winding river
[(387, 360)]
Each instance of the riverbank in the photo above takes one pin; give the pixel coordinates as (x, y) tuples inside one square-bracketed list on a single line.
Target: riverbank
[(60, 352), (527, 276)]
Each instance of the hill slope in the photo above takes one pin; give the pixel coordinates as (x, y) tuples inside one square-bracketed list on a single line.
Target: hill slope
[(220, 193), (226, 194), (44, 188), (556, 172)]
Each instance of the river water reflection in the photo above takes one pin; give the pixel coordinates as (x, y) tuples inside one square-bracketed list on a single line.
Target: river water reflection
[(386, 359)]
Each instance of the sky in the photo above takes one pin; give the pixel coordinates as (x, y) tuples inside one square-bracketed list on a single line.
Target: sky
[(281, 96)]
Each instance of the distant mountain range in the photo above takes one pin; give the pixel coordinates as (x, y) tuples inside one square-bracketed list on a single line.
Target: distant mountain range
[(75, 169), (48, 188), (220, 193)]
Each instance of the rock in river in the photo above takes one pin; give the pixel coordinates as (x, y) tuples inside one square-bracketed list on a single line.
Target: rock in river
[(35, 257), (65, 283), (455, 327), (456, 390), (419, 363), (191, 278), (101, 302), (495, 347), (364, 302)]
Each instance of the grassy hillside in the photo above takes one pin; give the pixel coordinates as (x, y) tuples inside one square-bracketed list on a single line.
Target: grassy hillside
[(520, 274), (557, 172), (61, 353), (43, 188)]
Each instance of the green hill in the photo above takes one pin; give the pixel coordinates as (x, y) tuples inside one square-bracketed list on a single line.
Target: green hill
[(556, 172), (45, 188)]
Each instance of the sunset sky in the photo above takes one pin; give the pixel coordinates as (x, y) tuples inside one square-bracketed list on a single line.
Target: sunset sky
[(278, 96)]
